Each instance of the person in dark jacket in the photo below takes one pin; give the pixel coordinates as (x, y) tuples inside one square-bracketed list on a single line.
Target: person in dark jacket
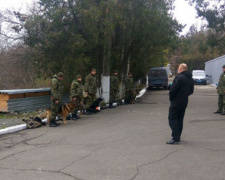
[(182, 88)]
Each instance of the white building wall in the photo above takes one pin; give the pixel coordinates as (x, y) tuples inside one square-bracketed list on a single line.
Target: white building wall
[(213, 69)]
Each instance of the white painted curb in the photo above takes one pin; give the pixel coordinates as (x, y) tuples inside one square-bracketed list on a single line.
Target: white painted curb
[(16, 128), (141, 93), (24, 126)]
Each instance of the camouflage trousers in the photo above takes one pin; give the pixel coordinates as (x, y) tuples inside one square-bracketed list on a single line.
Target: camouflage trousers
[(91, 99), (113, 96), (221, 103), (129, 96), (79, 106), (55, 110)]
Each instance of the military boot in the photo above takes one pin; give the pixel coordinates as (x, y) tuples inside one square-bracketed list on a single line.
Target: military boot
[(68, 117), (57, 124), (74, 117), (217, 112), (52, 124), (87, 112)]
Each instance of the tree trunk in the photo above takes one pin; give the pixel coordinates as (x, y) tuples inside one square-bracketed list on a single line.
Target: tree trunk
[(107, 59)]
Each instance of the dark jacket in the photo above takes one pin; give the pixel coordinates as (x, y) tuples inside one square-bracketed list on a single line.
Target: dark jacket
[(182, 87)]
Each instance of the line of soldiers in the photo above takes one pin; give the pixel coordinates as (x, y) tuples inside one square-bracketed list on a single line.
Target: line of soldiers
[(84, 96)]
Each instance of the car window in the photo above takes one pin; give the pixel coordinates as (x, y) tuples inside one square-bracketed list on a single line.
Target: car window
[(158, 73), (198, 73)]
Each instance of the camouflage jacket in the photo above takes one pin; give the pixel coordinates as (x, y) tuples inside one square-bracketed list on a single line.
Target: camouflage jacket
[(56, 89), (129, 83), (77, 89), (114, 83), (221, 84), (32, 123), (91, 84)]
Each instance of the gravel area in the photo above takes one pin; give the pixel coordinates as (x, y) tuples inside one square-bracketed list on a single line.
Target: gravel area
[(13, 119), (4, 123)]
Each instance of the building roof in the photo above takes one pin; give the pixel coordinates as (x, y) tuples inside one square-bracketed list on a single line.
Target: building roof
[(216, 59), (21, 91)]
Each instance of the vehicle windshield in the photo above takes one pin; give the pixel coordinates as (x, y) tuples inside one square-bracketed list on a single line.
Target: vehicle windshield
[(198, 74), (158, 73)]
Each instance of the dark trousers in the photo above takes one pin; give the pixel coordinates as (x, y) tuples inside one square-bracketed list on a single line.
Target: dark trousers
[(176, 117)]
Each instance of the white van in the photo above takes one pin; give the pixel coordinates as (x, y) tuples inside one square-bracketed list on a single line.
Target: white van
[(199, 77)]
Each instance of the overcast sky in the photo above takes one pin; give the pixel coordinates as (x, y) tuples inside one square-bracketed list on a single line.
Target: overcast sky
[(184, 13)]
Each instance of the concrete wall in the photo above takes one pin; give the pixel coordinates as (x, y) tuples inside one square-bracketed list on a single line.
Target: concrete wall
[(213, 69)]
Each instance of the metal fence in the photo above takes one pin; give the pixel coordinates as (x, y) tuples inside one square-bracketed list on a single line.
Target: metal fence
[(28, 104)]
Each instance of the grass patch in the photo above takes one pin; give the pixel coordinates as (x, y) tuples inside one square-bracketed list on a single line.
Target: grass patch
[(20, 115)]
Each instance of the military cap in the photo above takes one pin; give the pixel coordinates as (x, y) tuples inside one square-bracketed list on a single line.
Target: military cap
[(115, 71), (93, 69), (224, 66), (60, 74), (78, 76)]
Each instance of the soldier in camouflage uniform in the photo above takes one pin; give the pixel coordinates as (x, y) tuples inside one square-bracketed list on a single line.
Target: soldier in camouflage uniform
[(76, 93), (91, 86), (221, 93), (114, 88), (129, 89), (56, 98)]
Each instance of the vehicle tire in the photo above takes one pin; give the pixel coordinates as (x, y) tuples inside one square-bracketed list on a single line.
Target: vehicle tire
[(149, 88), (166, 87)]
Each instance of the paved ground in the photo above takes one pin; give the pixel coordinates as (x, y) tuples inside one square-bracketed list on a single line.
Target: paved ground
[(126, 143)]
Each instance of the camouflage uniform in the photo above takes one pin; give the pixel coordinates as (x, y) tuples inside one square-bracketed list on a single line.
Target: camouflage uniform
[(56, 95), (129, 89), (88, 101), (114, 88), (31, 123), (221, 93), (91, 87), (77, 90)]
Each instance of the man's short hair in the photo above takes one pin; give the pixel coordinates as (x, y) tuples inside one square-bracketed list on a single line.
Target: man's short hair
[(184, 67)]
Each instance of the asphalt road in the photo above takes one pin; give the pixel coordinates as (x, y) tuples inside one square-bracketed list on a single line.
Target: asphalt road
[(125, 143)]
